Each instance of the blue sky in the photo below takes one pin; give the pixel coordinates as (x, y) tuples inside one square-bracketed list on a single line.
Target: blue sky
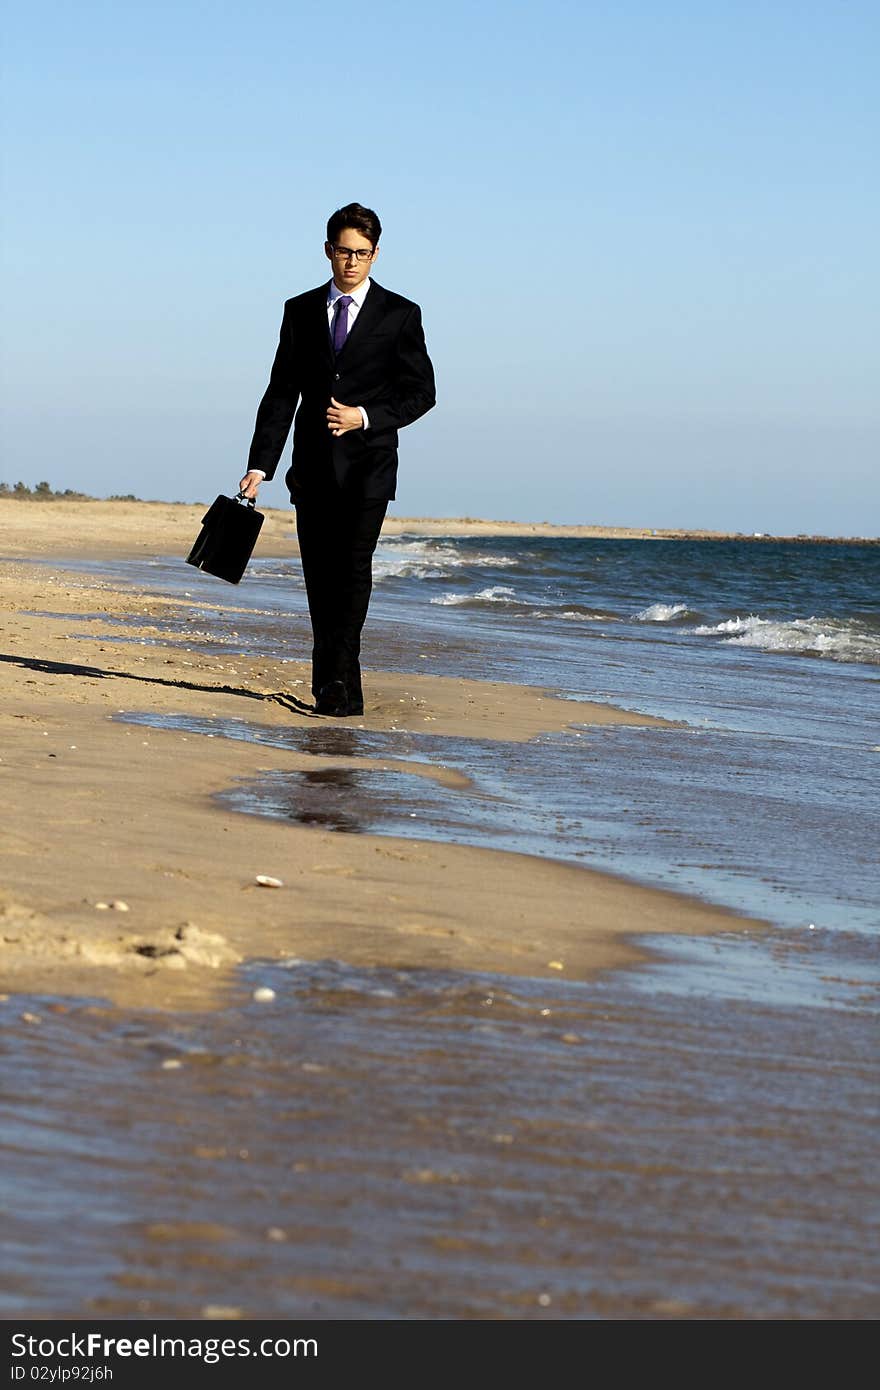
[(644, 239)]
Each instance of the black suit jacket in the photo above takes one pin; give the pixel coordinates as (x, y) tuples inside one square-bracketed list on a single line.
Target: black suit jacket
[(383, 366)]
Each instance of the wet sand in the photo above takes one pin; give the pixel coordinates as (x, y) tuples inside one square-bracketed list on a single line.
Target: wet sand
[(387, 1144)]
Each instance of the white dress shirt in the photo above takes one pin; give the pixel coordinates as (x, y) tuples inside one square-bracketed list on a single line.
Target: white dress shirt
[(357, 303)]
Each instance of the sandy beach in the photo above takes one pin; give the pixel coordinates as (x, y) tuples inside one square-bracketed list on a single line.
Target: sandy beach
[(97, 812), (97, 528)]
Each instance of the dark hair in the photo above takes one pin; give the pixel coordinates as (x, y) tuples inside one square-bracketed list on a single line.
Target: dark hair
[(359, 218)]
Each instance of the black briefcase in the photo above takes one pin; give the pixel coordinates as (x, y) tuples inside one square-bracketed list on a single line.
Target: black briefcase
[(227, 538)]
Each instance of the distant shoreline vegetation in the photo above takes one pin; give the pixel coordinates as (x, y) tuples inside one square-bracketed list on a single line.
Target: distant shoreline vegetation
[(44, 492)]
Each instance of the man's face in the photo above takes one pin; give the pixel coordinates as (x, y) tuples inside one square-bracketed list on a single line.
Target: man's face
[(350, 270)]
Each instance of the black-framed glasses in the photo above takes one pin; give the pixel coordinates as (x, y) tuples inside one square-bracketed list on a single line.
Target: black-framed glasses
[(360, 253)]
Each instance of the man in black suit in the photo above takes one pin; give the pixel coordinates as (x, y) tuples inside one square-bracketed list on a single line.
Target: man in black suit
[(350, 341)]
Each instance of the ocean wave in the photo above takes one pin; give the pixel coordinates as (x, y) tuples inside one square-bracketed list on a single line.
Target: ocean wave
[(729, 625), (498, 593), (431, 560), (576, 615), (828, 637), (526, 608), (661, 612)]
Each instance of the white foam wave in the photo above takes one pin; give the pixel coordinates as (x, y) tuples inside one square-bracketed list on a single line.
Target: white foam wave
[(405, 569), (572, 615), (814, 636), (429, 559), (661, 612), (498, 593), (730, 625)]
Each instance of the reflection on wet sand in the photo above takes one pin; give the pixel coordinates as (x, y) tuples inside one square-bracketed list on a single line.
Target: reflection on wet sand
[(328, 797), (327, 742)]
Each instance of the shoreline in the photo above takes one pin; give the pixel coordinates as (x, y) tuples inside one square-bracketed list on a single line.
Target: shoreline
[(101, 528), (111, 812), (380, 1090)]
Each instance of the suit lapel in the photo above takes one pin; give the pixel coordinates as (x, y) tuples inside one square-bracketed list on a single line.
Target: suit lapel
[(321, 324), (369, 316)]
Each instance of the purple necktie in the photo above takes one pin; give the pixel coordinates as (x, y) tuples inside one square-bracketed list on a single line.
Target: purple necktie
[(340, 322)]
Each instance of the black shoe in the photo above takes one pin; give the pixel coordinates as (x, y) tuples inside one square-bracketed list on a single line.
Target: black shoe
[(355, 694), (355, 698), (333, 699)]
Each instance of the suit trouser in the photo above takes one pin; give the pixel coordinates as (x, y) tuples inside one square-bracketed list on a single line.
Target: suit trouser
[(337, 535)]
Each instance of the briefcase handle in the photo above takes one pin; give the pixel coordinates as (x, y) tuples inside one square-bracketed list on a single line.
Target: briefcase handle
[(251, 501)]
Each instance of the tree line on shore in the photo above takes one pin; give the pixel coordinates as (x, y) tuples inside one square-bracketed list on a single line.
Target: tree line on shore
[(44, 492)]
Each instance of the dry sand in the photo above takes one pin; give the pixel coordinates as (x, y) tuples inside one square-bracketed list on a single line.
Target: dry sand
[(97, 811), (127, 529)]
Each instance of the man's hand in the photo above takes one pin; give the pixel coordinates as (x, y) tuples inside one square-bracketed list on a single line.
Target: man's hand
[(251, 482), (342, 418)]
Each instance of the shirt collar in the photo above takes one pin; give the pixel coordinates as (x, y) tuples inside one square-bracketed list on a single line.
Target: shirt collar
[(358, 295)]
